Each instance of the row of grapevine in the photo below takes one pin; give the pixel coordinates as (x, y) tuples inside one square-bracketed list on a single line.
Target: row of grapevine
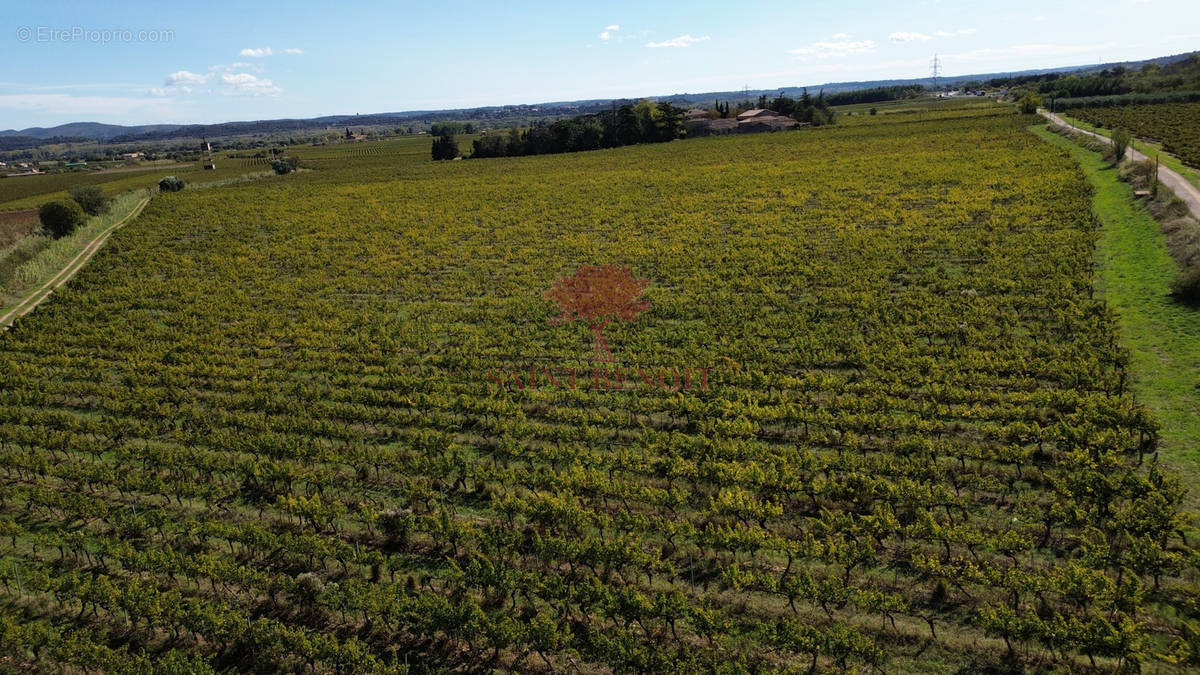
[(1175, 125), (258, 432)]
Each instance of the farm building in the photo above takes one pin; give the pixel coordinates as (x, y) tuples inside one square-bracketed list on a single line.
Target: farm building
[(707, 127), (765, 123), (748, 122), (757, 113)]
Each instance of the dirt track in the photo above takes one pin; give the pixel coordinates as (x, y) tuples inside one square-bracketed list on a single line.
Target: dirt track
[(37, 297), (1182, 189)]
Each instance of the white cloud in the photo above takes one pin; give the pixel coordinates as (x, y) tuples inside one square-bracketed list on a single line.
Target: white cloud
[(681, 41), (181, 78), (824, 49), (967, 31), (245, 83), (608, 31), (237, 65), (900, 36), (942, 33), (840, 36), (240, 83), (260, 52)]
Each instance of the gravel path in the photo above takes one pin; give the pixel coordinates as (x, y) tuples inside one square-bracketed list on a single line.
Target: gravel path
[(1182, 189)]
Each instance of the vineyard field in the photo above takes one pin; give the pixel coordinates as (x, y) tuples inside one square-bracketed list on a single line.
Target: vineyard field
[(401, 150), (1175, 125), (30, 192), (309, 423)]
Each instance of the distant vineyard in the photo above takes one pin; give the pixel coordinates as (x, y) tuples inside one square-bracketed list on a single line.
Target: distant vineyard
[(1175, 125), (408, 148), (31, 191), (248, 162), (16, 188), (310, 425)]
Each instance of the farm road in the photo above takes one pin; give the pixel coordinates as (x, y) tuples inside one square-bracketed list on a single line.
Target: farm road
[(35, 298), (1182, 189)]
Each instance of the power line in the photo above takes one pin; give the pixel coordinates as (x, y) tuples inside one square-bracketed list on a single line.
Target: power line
[(935, 70)]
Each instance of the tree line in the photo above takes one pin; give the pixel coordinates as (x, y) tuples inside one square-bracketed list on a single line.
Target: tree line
[(451, 128), (1180, 76), (806, 109), (876, 94), (629, 124)]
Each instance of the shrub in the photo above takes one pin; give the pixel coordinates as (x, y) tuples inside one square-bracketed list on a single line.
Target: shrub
[(1186, 288), (90, 198), (1029, 104), (170, 184), (873, 111), (1166, 206), (1183, 240), (1120, 143), (60, 218), (1081, 139), (285, 165)]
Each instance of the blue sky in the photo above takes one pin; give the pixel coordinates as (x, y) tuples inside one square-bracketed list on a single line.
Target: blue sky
[(139, 62)]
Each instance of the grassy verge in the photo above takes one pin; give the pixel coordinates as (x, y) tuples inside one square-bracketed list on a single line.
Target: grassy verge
[(1162, 336), (1147, 148), (41, 257), (12, 258)]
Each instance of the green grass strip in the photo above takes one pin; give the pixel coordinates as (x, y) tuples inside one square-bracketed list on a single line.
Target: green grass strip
[(1162, 336)]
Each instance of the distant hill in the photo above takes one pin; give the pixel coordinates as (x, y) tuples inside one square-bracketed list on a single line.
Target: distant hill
[(89, 130), (496, 115)]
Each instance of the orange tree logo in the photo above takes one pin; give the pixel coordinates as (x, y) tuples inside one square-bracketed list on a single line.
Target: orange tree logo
[(598, 295)]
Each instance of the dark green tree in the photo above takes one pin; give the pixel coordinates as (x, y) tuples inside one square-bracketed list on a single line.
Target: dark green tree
[(445, 147), (60, 218), (629, 127), (784, 105), (670, 121), (90, 198), (493, 145)]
